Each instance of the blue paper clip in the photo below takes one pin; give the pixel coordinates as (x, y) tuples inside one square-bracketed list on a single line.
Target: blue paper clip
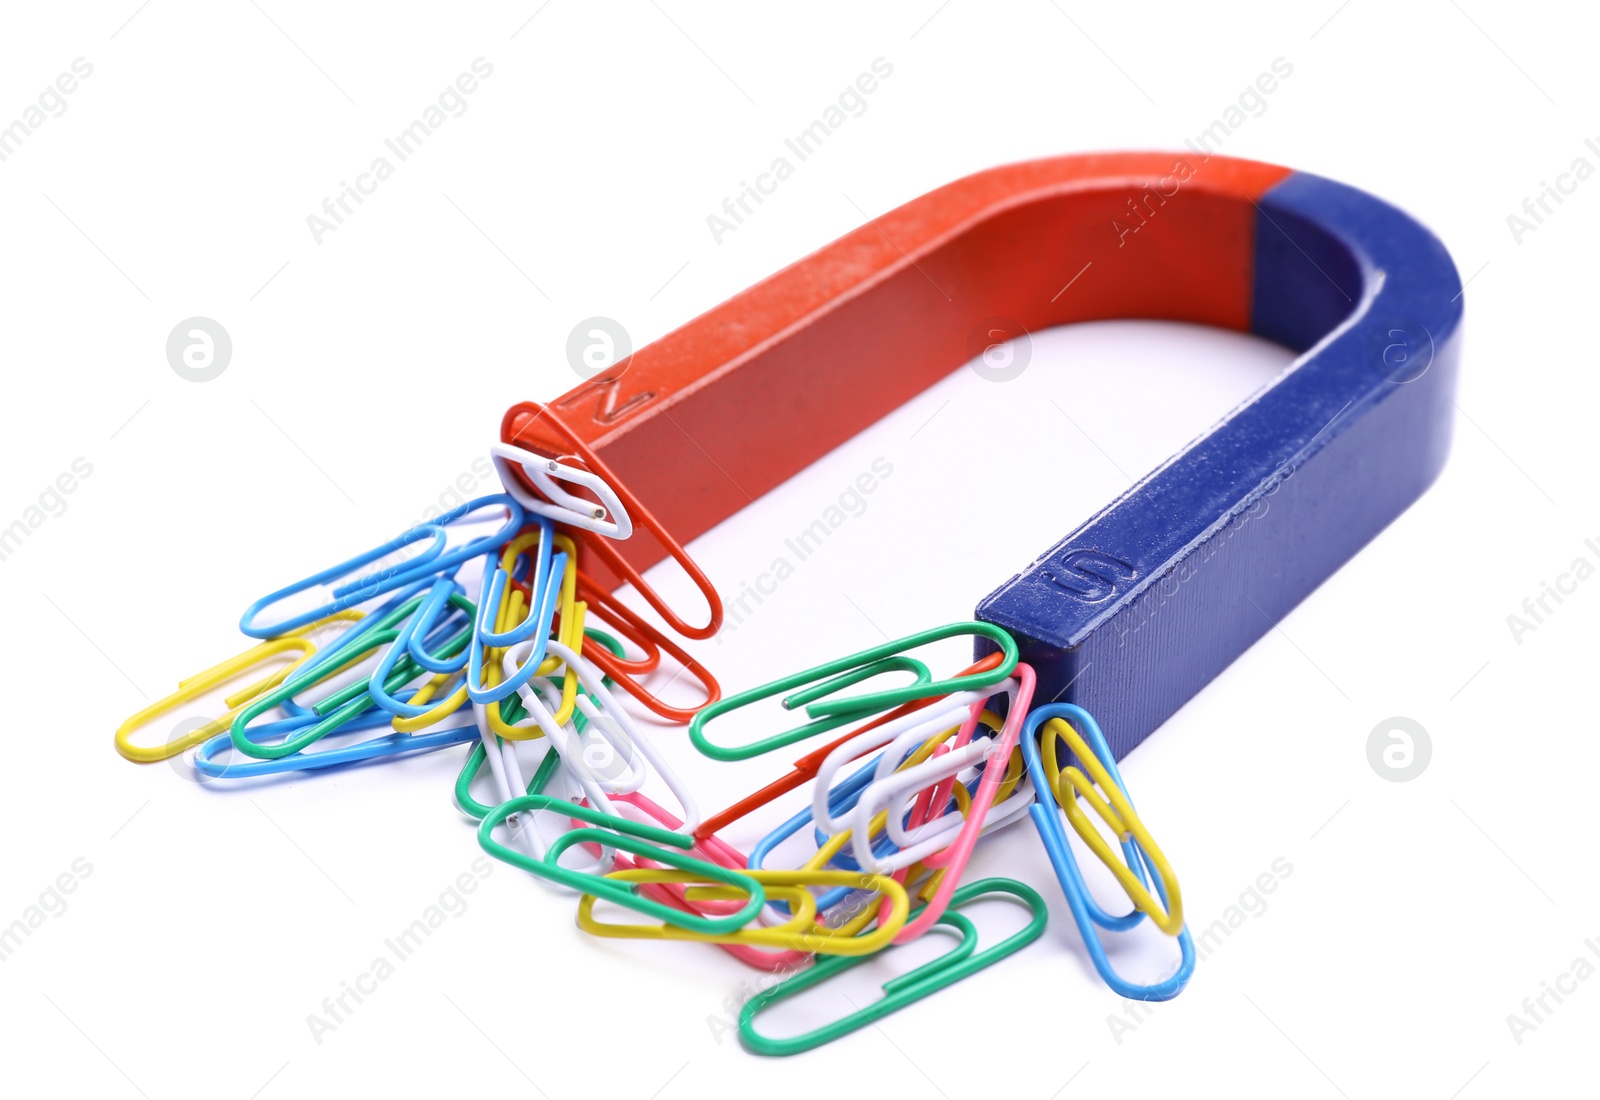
[(375, 584), (417, 569), (330, 714), (375, 748), (426, 617), (1085, 910), (495, 580), (377, 684), (351, 637), (541, 616), (433, 560)]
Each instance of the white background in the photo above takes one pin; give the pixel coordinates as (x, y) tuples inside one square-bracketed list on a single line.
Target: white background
[(370, 370)]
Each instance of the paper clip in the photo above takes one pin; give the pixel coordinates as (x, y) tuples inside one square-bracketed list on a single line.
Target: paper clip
[(562, 707), (900, 740), (627, 623), (375, 584), (1117, 812), (538, 626), (450, 560), (805, 768), (950, 864), (630, 836), (641, 632), (560, 505), (910, 762), (496, 578), (697, 736), (353, 718), (197, 685), (572, 622), (529, 411), (340, 707), (831, 713), (928, 817), (718, 851), (476, 810), (426, 617), (801, 932), (1086, 912), (350, 622), (309, 729), (432, 715), (503, 763), (959, 962), (839, 800), (488, 749), (945, 842), (610, 718), (389, 745), (400, 648), (930, 769), (388, 614)]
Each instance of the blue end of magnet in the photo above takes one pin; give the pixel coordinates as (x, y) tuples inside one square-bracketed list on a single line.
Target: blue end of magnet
[(1137, 610)]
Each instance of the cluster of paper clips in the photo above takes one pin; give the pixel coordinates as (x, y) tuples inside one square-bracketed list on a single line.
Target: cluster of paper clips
[(402, 660)]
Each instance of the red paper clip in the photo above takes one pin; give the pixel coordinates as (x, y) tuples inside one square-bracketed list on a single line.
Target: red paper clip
[(516, 427), (636, 628)]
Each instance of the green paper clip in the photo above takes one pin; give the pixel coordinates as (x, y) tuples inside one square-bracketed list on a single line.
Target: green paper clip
[(633, 837), (930, 977), (830, 714)]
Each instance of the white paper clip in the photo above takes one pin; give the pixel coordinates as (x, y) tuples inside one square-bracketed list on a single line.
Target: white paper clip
[(557, 504)]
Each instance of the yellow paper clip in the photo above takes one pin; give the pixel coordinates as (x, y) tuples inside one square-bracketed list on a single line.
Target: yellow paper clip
[(513, 610), (446, 707), (200, 683), (1117, 812), (799, 933)]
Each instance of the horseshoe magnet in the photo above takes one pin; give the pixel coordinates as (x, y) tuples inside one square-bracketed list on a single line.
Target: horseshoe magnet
[(1134, 611)]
